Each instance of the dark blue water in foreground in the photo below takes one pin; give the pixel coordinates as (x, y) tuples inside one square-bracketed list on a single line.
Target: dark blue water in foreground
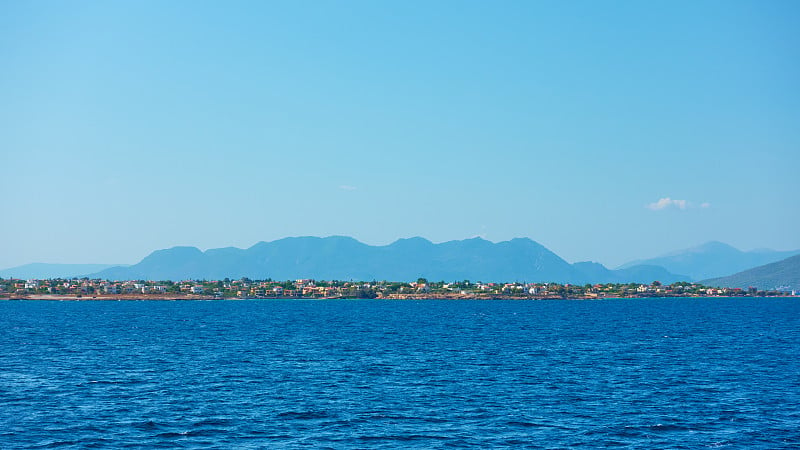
[(680, 373)]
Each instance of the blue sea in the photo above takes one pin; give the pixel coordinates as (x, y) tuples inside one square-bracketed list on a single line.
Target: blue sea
[(649, 373)]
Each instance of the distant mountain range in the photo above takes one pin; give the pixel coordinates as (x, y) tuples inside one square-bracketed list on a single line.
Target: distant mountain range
[(784, 274), (344, 258), (44, 270), (712, 260), (520, 259)]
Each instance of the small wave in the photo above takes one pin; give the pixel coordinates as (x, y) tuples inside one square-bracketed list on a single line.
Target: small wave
[(304, 415), (171, 434), (207, 432), (668, 427), (97, 443), (54, 444), (212, 422), (515, 423), (402, 438), (112, 382), (148, 425), (193, 433), (524, 424)]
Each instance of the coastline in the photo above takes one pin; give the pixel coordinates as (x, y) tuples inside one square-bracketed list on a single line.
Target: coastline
[(190, 297)]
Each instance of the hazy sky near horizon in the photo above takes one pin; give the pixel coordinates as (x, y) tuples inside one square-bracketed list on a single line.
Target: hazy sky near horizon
[(606, 131)]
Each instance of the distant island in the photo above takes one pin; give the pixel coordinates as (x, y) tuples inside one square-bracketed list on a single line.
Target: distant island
[(517, 262), (87, 289)]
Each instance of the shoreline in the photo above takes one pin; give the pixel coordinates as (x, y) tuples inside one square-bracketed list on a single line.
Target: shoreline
[(127, 297)]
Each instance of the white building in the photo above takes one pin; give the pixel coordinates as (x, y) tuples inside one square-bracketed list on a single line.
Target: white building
[(110, 289)]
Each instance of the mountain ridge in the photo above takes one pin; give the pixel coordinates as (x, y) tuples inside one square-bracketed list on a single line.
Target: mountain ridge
[(343, 258), (712, 259), (783, 274)]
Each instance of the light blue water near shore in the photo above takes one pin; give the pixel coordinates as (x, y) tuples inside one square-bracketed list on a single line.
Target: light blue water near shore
[(654, 373)]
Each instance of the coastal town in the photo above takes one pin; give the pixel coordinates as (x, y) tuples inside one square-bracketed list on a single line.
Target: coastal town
[(244, 288)]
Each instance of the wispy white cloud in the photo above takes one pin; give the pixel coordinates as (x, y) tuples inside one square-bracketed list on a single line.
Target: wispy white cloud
[(346, 187), (666, 202)]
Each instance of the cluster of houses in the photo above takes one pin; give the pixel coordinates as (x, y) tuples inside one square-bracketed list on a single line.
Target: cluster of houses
[(79, 286)]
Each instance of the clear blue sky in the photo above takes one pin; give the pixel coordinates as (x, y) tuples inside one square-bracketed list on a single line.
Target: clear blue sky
[(606, 131)]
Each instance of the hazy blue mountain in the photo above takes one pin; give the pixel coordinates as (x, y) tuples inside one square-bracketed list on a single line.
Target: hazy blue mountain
[(784, 274), (44, 270), (712, 259), (344, 258), (597, 273)]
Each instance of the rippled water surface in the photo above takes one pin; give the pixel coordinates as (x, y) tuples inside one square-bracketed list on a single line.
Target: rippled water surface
[(680, 373)]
